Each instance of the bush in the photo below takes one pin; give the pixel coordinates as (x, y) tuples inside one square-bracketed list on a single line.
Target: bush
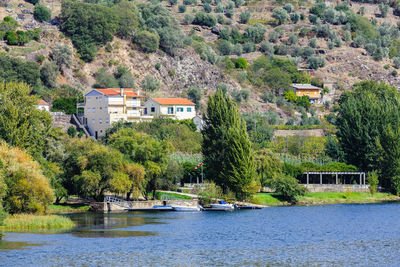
[(49, 74), (205, 19), (267, 48), (249, 47), (62, 55), (15, 69), (65, 104), (294, 17), (188, 19), (181, 8), (237, 49), (225, 47), (41, 13), (207, 53), (313, 42), (194, 94), (292, 39), (11, 38), (269, 97), (148, 41), (316, 62), (274, 36), (288, 7), (172, 2), (287, 187), (207, 8), (241, 63), (151, 84), (71, 131), (280, 15), (255, 33), (244, 17), (8, 24), (229, 13), (281, 49)]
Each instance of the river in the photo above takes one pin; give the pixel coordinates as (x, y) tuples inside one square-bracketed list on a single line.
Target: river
[(331, 235)]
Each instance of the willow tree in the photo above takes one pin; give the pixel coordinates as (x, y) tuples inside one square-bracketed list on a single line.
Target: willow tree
[(226, 147)]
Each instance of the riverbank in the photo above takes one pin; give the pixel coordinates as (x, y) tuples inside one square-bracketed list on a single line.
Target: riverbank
[(68, 208), (32, 222), (322, 198)]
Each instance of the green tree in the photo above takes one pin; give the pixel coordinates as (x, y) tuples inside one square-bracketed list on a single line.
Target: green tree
[(287, 187), (8, 24), (129, 18), (245, 17), (280, 15), (268, 165), (62, 55), (226, 147), (367, 142), (150, 84), (27, 189), (373, 181), (11, 37), (194, 94), (41, 13), (21, 123)]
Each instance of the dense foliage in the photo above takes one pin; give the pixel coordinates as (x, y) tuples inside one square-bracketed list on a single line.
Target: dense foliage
[(15, 69)]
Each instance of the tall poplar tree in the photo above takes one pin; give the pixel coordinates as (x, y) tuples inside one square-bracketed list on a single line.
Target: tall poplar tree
[(226, 147)]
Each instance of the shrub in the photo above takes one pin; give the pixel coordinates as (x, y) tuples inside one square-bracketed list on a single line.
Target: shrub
[(294, 17), (238, 3), (151, 84), (71, 131), (255, 33), (148, 41), (188, 19), (280, 15), (181, 8), (244, 17), (22, 38), (245, 92), (225, 47), (288, 7), (287, 187), (171, 39), (373, 181), (313, 42), (49, 74), (41, 13), (65, 104), (62, 55), (308, 52), (292, 39), (11, 38), (383, 9), (281, 49), (205, 19), (249, 47), (229, 13), (241, 63), (268, 97), (274, 36), (8, 24), (172, 2), (267, 48), (207, 8), (396, 62), (219, 9), (237, 49), (207, 53), (194, 94)]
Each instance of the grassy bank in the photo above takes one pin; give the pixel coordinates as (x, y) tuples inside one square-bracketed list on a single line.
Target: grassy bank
[(271, 199), (31, 222), (165, 195), (68, 208)]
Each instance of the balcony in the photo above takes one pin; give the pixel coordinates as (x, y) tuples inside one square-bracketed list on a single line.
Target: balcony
[(80, 105)]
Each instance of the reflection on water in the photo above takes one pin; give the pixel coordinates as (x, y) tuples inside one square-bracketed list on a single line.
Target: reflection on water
[(334, 235), (5, 245), (111, 234)]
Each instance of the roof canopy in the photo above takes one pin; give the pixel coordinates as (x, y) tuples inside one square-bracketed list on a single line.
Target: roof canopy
[(305, 86), (43, 103), (174, 101), (117, 91)]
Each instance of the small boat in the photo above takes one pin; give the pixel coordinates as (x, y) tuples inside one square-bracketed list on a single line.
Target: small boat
[(162, 207), (248, 207), (221, 206), (186, 208)]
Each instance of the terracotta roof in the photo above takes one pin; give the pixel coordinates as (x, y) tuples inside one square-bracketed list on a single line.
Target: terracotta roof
[(305, 86), (43, 103), (117, 91), (174, 101)]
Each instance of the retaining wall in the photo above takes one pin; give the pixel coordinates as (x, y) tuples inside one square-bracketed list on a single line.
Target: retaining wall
[(139, 205), (336, 188)]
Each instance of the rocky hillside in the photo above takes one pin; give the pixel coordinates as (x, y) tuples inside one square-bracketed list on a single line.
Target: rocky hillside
[(344, 43)]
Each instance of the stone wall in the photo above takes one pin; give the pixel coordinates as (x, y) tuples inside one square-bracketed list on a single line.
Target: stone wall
[(336, 188)]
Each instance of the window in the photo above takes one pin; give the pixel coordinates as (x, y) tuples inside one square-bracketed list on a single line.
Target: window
[(100, 121), (145, 111), (153, 109), (93, 121), (93, 110), (101, 108), (88, 98), (189, 109), (100, 98), (179, 109), (107, 120), (170, 110)]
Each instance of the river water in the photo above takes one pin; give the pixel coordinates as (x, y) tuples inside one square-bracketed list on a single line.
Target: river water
[(332, 235)]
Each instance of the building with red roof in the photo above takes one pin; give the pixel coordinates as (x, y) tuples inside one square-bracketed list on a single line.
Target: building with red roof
[(175, 108)]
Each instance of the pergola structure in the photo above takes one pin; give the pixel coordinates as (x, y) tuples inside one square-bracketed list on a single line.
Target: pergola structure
[(334, 178)]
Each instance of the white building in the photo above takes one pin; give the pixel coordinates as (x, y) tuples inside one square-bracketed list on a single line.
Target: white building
[(175, 108), (43, 105), (102, 107)]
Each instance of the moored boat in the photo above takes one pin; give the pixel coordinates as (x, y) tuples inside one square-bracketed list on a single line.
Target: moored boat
[(186, 208), (162, 207), (221, 206)]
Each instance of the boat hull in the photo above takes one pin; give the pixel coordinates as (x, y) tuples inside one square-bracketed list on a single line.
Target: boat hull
[(185, 209)]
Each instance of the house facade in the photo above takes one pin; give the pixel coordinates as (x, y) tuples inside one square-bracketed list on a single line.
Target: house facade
[(313, 92), (43, 105), (102, 107), (175, 108)]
